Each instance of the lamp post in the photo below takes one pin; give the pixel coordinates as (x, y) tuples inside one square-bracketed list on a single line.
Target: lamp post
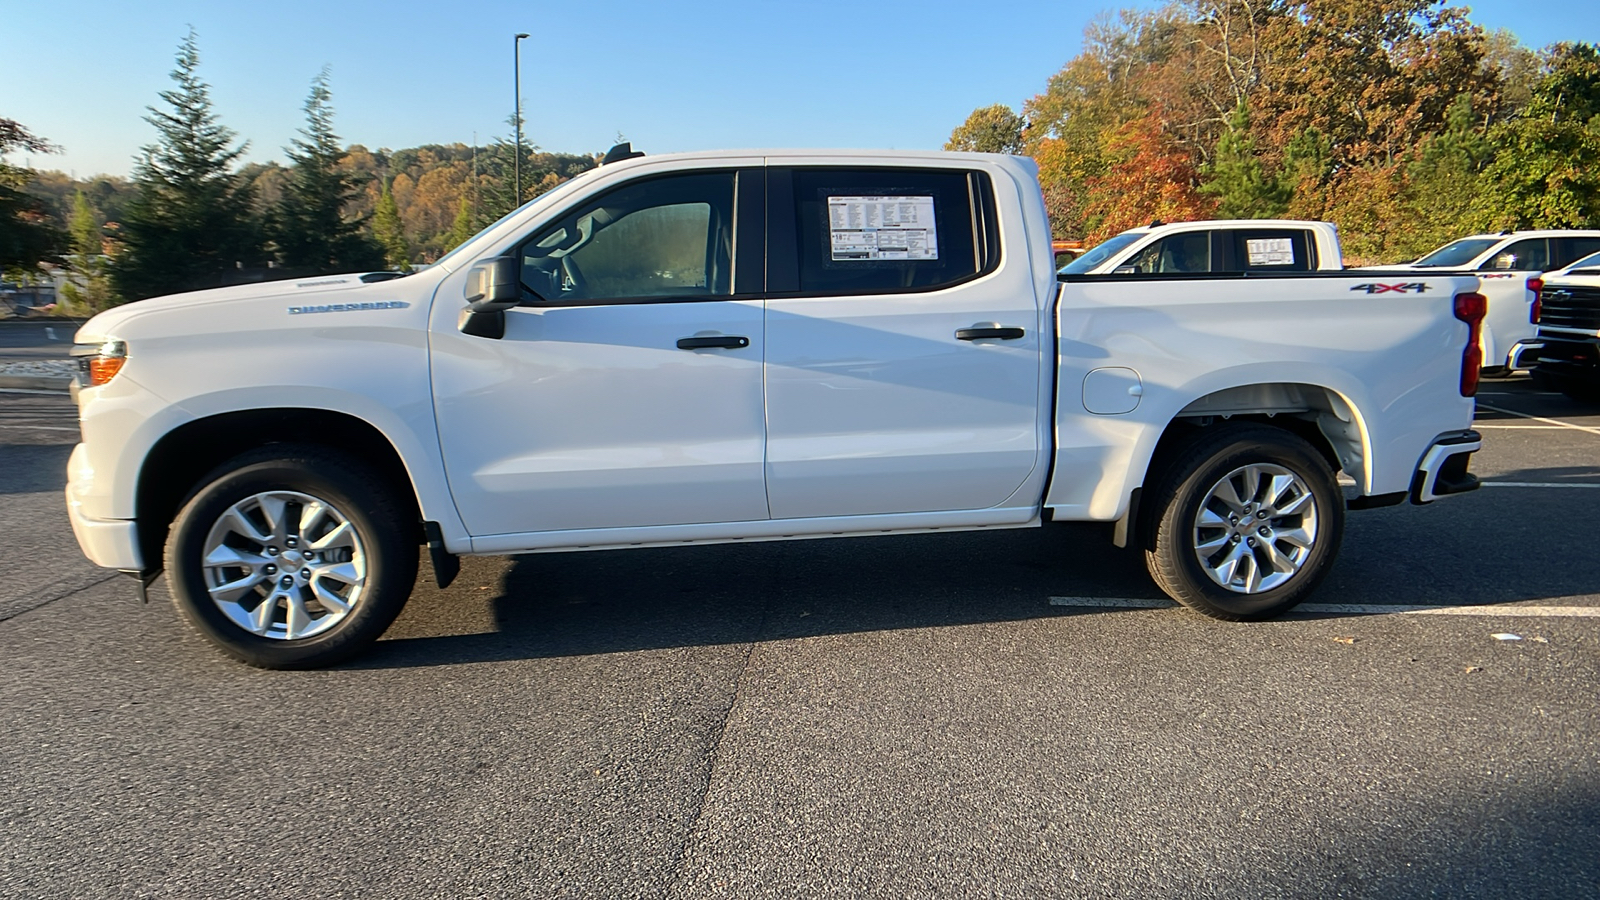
[(516, 92)]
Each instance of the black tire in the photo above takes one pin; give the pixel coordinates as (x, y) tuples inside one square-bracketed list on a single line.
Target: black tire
[(1173, 533), (384, 540)]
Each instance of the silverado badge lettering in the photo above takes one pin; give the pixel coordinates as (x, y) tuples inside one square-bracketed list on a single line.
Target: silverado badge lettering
[(1417, 286), (348, 307)]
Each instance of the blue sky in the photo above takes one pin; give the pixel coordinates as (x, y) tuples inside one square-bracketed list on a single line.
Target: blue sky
[(669, 76)]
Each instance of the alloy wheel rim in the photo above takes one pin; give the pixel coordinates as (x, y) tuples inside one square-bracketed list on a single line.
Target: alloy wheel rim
[(284, 565), (1255, 528)]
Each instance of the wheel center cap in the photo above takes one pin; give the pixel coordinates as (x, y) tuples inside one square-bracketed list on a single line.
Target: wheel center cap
[(292, 558)]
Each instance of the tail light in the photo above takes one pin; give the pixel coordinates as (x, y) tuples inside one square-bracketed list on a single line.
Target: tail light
[(1536, 285), (1471, 308)]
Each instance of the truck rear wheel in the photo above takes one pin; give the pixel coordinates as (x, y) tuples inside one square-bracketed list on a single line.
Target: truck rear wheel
[(291, 557), (1246, 522)]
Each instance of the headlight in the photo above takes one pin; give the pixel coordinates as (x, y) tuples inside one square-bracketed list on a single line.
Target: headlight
[(99, 363)]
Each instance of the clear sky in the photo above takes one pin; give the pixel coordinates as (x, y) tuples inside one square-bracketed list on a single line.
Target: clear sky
[(684, 75)]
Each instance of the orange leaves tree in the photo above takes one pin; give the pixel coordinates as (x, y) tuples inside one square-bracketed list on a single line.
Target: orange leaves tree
[(1400, 120)]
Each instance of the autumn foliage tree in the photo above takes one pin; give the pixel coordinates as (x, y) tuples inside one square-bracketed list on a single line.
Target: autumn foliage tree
[(1399, 120)]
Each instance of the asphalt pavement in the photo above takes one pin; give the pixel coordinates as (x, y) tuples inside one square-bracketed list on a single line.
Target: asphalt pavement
[(869, 717)]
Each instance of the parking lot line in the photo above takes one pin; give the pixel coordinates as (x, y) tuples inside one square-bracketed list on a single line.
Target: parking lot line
[(1361, 609), (1519, 427), (1538, 484), (1512, 412)]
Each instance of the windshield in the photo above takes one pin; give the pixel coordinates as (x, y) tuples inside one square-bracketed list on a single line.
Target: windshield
[(1456, 254), (566, 187), (1100, 253), (1592, 261)]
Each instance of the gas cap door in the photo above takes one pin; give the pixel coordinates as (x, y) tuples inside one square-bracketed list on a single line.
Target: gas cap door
[(1112, 391)]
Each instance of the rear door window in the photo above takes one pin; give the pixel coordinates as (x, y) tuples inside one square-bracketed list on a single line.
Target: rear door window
[(869, 230), (1267, 250), (1569, 250)]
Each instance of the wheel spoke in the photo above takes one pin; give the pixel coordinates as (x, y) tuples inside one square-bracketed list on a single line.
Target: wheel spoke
[(1277, 562), (1251, 475), (261, 617), (331, 601), (343, 536), (1228, 495), (1206, 548), (299, 620), (1294, 506), (311, 515), (1298, 538), (223, 555), (1225, 571), (273, 508), (1252, 578), (237, 522), (1209, 519), (348, 573), (231, 591)]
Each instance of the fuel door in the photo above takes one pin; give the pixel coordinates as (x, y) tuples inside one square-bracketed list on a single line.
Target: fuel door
[(1112, 391)]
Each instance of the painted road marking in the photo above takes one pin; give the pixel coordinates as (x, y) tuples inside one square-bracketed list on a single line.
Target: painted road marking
[(60, 393), (75, 428), (1359, 609), (1519, 427), (1539, 484), (1512, 412)]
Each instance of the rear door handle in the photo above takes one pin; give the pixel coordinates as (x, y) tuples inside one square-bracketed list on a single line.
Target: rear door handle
[(727, 341), (980, 332)]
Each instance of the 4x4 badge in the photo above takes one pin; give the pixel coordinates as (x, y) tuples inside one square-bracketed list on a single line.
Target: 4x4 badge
[(1417, 286)]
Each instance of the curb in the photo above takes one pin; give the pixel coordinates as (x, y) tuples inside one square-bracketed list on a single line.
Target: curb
[(37, 382)]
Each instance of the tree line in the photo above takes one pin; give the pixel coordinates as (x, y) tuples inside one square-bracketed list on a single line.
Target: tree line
[(1399, 120), (192, 217)]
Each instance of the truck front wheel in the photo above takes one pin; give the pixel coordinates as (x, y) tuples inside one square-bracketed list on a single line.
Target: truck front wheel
[(291, 557), (1246, 521)]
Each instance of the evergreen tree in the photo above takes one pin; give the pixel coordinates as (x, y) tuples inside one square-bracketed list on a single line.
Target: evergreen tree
[(190, 222), (463, 228), (26, 236), (390, 232), (1236, 178), (88, 291), (310, 228), (1443, 179)]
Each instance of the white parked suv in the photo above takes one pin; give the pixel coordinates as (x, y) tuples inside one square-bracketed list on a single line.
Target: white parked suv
[(740, 346), (1509, 267)]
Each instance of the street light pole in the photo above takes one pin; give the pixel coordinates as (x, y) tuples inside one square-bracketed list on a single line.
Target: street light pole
[(516, 78)]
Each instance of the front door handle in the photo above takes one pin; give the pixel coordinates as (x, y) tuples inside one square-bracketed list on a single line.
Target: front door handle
[(727, 341), (988, 330)]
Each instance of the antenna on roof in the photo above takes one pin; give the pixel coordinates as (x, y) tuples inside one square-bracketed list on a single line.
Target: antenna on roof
[(621, 152), (1155, 223)]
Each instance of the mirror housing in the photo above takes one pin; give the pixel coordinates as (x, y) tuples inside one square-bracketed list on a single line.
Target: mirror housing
[(494, 285)]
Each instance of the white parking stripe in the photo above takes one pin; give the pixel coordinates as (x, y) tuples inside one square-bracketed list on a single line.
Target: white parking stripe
[(1512, 412), (1518, 427), (43, 427), (1549, 484), (1363, 609)]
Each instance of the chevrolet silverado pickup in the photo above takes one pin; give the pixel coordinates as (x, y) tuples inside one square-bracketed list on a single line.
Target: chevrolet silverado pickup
[(1215, 245), (1567, 313), (741, 346)]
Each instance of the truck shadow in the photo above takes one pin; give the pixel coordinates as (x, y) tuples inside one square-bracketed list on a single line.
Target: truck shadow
[(578, 604)]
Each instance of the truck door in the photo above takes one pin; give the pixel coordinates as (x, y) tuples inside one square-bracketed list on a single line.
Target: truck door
[(626, 390), (903, 351)]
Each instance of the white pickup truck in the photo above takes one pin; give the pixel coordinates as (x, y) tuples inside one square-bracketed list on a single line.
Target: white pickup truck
[(1215, 246), (1509, 267), (714, 347)]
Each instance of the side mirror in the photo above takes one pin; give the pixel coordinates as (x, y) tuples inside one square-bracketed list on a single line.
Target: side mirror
[(493, 285)]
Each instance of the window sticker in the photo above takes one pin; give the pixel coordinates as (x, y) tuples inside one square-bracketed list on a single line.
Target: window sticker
[(1270, 251), (868, 228)]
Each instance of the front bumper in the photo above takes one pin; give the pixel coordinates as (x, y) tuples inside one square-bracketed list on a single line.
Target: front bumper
[(1443, 469), (113, 543)]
